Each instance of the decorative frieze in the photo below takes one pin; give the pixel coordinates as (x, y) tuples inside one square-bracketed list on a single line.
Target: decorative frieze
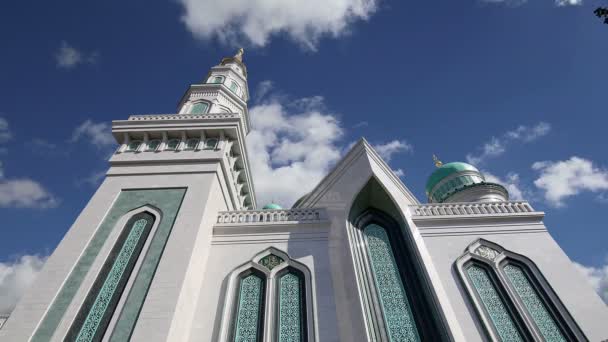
[(209, 116)]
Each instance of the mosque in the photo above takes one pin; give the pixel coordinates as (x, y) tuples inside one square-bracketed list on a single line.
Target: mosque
[(172, 247)]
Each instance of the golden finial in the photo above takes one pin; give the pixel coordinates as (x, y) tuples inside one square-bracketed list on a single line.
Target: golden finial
[(239, 54), (438, 162)]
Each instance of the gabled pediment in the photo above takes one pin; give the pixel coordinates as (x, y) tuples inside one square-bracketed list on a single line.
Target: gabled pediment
[(349, 177)]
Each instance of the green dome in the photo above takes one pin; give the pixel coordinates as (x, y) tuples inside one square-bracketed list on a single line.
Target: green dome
[(271, 206), (445, 170)]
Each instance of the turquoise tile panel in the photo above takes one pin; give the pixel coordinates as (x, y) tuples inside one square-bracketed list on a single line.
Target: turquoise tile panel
[(167, 200)]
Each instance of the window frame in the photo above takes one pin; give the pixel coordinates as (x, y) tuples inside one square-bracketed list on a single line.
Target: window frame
[(271, 314), (214, 77), (262, 310), (129, 149), (193, 104), (494, 265), (196, 144), (119, 228), (176, 148), (147, 148), (424, 308)]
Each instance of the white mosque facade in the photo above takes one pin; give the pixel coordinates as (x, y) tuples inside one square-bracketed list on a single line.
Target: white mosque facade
[(172, 247)]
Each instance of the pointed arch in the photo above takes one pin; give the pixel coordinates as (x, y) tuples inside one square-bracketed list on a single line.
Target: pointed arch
[(286, 312), (397, 300), (517, 292), (102, 305)]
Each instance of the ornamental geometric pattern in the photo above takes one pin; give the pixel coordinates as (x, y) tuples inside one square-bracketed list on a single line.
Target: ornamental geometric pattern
[(290, 309), (486, 252), (398, 317), (535, 306), (249, 309), (271, 261), (93, 320), (502, 320)]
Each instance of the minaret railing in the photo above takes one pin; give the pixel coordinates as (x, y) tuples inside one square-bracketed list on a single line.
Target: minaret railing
[(467, 209)]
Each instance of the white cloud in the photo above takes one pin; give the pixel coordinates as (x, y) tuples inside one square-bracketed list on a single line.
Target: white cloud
[(597, 277), (387, 150), (511, 182), (497, 146), (98, 134), (68, 57), (399, 172), (15, 279), (25, 193), (565, 178), (5, 133), (255, 21), (291, 147), (562, 3)]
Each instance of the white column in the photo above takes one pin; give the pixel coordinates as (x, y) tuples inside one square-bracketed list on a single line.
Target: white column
[(125, 143), (163, 143)]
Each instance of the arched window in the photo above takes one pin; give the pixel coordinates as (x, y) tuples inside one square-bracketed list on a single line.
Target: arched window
[(100, 303), (152, 145), (133, 145), (199, 108), (210, 144), (291, 319), (271, 277), (250, 307), (399, 304), (234, 87), (217, 79), (172, 144), (396, 308), (191, 144), (512, 298)]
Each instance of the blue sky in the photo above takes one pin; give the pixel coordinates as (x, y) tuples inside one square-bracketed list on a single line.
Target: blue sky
[(516, 86)]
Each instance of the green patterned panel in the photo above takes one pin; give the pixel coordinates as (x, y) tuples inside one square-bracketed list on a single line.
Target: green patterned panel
[(249, 309), (290, 308), (168, 201), (496, 308), (94, 325), (398, 317), (535, 306), (271, 261)]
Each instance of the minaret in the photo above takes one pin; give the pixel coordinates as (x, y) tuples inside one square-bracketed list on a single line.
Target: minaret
[(212, 123), (131, 266), (224, 90)]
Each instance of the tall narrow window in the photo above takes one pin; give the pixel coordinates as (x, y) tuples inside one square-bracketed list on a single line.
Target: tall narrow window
[(512, 297), (292, 308), (272, 300), (98, 308), (535, 306), (493, 303), (396, 309), (249, 315), (199, 108), (234, 87)]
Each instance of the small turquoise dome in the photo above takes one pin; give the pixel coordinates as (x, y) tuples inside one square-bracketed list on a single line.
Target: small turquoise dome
[(272, 206), (446, 170)]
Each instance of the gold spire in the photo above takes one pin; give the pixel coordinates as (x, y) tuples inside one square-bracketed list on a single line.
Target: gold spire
[(239, 54), (438, 162)]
